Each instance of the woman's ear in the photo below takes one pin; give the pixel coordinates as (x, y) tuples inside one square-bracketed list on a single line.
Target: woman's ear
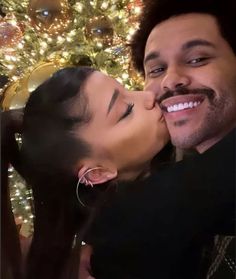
[(96, 175)]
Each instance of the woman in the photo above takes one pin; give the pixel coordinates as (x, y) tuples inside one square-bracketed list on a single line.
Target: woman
[(82, 125)]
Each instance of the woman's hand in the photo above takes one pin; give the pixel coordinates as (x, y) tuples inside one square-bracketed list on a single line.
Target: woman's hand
[(85, 267)]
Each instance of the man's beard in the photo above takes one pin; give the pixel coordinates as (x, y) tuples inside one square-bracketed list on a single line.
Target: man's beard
[(220, 113)]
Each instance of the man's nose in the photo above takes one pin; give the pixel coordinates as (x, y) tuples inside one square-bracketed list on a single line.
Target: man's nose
[(174, 79)]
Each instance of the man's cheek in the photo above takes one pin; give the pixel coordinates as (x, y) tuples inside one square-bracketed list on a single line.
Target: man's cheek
[(154, 87)]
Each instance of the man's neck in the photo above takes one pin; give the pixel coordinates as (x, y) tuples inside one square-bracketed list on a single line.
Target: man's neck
[(201, 148)]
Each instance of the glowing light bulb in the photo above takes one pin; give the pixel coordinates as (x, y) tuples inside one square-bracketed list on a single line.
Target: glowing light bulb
[(125, 76), (104, 5)]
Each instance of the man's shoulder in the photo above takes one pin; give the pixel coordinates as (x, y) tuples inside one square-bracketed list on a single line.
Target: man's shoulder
[(226, 143)]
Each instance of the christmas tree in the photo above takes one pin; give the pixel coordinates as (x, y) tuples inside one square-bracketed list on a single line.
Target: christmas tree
[(38, 37)]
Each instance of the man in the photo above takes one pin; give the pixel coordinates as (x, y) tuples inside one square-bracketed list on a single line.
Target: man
[(191, 67), (187, 52)]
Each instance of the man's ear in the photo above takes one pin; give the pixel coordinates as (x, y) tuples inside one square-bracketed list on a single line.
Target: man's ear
[(96, 175)]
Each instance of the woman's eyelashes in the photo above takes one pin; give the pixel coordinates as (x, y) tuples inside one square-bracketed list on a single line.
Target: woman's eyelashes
[(128, 111)]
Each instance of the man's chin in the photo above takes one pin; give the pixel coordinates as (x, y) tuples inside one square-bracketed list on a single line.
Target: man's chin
[(185, 138)]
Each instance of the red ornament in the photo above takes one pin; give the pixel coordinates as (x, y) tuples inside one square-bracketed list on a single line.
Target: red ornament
[(10, 35)]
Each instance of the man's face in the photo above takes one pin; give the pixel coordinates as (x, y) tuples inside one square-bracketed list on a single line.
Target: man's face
[(192, 69)]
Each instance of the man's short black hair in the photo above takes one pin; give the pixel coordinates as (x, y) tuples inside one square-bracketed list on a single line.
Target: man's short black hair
[(156, 11)]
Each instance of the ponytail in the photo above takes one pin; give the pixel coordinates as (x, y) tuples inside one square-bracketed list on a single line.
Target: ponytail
[(11, 258)]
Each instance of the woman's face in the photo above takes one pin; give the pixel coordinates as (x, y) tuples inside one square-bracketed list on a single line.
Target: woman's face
[(127, 128)]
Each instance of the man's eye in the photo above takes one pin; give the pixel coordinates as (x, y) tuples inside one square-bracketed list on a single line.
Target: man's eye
[(198, 60), (156, 72), (128, 111)]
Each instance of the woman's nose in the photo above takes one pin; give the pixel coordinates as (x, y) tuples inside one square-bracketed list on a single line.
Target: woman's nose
[(149, 99)]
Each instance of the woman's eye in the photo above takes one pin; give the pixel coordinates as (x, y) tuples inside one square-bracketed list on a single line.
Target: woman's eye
[(128, 111)]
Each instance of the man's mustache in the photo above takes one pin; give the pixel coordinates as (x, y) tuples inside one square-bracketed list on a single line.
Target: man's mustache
[(185, 91)]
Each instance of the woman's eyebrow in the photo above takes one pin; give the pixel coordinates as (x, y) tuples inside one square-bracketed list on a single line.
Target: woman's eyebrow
[(114, 97)]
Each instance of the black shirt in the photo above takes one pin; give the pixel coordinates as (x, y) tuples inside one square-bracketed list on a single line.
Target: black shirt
[(156, 228)]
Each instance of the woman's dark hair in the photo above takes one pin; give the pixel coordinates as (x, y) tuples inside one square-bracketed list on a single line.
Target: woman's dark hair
[(156, 11), (11, 256), (50, 149)]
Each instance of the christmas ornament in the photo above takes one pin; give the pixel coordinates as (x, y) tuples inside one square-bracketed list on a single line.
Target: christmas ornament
[(49, 16), (99, 29), (15, 95), (40, 73), (10, 35)]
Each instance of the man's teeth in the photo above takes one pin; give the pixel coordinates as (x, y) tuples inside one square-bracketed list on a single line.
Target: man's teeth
[(182, 106)]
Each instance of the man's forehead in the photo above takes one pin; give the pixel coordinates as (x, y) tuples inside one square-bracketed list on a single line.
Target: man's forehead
[(180, 30)]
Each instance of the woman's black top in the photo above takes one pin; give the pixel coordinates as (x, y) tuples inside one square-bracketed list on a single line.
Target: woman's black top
[(156, 228)]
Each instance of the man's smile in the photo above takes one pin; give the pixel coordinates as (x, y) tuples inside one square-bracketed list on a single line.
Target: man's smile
[(181, 103)]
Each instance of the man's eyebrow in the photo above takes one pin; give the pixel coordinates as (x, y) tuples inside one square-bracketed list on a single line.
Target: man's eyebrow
[(197, 42), (114, 97), (190, 44), (151, 56)]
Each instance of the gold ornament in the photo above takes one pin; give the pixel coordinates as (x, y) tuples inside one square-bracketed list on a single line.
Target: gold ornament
[(40, 73), (99, 29), (49, 16), (10, 35), (15, 95)]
